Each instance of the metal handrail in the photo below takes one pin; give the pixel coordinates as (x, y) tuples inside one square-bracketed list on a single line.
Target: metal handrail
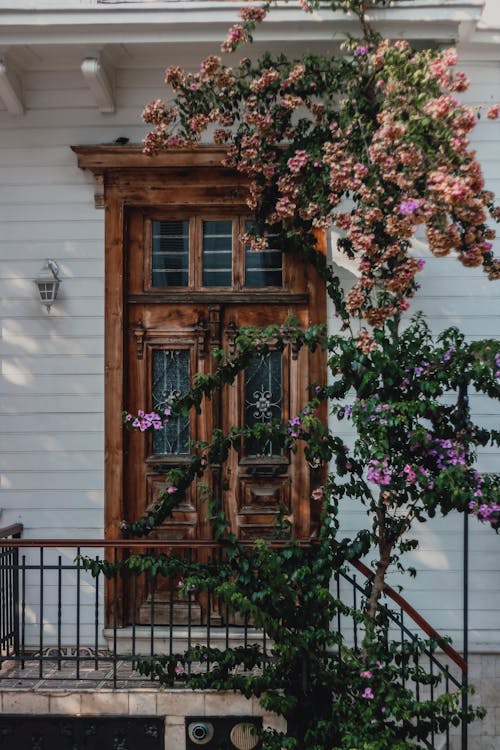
[(174, 544), (417, 618), (14, 530)]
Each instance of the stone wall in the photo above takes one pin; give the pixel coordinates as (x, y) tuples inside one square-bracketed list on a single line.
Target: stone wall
[(175, 705)]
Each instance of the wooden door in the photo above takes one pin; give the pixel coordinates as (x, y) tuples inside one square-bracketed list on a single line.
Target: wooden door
[(179, 283), (191, 284)]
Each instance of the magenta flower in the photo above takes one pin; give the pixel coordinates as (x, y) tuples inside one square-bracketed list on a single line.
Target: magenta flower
[(411, 476), (368, 694), (379, 472)]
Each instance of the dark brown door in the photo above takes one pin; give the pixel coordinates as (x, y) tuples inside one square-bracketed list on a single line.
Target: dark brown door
[(191, 284), (179, 283)]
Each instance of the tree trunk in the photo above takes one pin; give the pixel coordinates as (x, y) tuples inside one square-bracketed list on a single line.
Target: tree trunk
[(385, 558)]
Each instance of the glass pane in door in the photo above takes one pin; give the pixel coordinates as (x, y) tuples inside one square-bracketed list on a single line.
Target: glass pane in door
[(170, 253), (263, 400), (171, 374), (218, 253)]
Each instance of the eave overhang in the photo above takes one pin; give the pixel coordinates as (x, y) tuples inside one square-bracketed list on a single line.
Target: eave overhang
[(99, 36), (205, 20)]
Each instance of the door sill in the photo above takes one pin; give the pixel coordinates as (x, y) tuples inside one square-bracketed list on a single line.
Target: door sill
[(142, 640)]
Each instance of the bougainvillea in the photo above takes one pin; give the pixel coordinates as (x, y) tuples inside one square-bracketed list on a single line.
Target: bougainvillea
[(374, 142)]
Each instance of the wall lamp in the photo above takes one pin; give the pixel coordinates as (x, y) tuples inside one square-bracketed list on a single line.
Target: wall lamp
[(48, 283)]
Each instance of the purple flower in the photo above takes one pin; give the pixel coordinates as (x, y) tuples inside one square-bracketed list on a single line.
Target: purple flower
[(447, 355), (360, 51), (378, 472), (408, 207), (368, 694)]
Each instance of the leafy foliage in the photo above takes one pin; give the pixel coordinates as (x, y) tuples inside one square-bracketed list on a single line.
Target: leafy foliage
[(378, 126)]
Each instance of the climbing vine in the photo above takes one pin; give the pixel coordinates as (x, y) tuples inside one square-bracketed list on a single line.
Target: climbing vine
[(374, 142)]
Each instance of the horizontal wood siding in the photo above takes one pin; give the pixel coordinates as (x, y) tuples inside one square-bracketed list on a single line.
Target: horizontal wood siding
[(51, 392)]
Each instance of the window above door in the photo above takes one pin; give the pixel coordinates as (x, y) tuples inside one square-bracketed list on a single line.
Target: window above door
[(206, 251)]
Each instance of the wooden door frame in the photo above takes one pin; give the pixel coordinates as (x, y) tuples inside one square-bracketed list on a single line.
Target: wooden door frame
[(126, 178)]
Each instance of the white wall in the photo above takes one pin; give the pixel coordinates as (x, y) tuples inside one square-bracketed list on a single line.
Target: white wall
[(51, 390)]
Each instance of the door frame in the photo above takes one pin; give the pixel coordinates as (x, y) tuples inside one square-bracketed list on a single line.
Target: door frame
[(125, 178)]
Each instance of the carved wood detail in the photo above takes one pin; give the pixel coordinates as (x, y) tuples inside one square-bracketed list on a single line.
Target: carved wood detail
[(139, 332)]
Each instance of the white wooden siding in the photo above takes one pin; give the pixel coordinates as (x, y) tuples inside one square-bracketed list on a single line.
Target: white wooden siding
[(51, 392)]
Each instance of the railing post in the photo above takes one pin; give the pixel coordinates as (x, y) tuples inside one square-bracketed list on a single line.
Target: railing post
[(15, 594), (465, 682), (9, 585)]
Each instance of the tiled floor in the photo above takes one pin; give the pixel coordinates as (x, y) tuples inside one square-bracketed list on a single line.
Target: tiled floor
[(55, 673)]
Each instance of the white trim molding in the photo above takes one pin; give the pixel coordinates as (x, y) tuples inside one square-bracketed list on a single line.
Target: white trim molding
[(99, 82), (31, 22)]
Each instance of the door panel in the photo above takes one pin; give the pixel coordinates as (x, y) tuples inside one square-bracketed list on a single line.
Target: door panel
[(173, 349)]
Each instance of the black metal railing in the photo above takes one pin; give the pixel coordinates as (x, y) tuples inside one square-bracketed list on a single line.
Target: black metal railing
[(75, 625), (66, 626), (9, 591), (437, 658)]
